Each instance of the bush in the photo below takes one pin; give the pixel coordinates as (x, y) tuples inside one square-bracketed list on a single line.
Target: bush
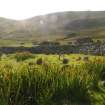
[(39, 61), (21, 56), (78, 59), (1, 55), (65, 61), (86, 58)]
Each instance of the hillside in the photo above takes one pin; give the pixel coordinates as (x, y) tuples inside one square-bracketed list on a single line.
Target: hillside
[(54, 26)]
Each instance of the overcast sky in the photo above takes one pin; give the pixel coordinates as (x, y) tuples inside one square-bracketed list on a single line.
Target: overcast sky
[(22, 9)]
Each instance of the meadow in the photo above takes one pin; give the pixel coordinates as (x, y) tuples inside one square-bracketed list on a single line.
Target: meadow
[(38, 79)]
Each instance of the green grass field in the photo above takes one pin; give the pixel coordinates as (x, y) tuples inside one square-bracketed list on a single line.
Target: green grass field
[(27, 79)]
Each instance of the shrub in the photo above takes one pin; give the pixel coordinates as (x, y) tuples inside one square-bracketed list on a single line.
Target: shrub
[(85, 58), (21, 56), (39, 61), (78, 59), (65, 61), (0, 55)]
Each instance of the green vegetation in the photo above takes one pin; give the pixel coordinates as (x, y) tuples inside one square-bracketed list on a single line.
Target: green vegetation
[(48, 80), (23, 56)]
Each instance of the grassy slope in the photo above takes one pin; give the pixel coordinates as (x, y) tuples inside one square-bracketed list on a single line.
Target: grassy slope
[(54, 26)]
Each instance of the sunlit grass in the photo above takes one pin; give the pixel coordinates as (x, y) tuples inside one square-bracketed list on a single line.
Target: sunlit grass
[(24, 82)]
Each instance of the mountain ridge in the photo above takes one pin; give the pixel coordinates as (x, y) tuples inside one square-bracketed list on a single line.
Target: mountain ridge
[(54, 26)]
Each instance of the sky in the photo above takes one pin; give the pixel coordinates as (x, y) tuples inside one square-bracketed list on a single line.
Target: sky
[(23, 9)]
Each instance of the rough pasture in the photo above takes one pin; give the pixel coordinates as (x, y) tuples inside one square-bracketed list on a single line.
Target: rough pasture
[(46, 80)]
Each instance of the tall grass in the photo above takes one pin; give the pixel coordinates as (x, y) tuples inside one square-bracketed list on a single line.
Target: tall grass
[(24, 83)]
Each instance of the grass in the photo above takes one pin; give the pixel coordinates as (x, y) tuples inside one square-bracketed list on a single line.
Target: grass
[(23, 82)]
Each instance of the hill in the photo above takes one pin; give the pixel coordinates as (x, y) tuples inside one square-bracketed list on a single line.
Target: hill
[(53, 26)]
